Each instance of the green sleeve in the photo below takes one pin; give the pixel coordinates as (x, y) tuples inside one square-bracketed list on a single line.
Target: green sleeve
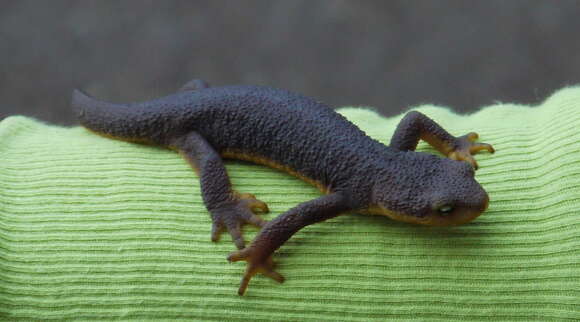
[(92, 228)]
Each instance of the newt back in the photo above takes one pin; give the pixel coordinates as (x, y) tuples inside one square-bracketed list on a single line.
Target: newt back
[(252, 121)]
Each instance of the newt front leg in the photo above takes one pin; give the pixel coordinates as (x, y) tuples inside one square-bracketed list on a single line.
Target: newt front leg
[(278, 231), (416, 126)]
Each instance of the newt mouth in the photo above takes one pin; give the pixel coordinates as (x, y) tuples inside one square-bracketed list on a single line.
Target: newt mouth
[(461, 216), (458, 217)]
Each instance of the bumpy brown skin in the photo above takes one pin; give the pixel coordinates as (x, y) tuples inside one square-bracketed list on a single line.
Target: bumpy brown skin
[(308, 139)]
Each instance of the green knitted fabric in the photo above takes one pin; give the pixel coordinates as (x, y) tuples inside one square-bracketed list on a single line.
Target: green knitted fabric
[(92, 229)]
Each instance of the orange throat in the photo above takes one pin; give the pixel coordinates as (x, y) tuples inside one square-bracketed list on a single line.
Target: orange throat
[(431, 220)]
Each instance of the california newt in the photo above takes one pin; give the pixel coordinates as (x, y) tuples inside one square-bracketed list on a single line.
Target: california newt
[(308, 139)]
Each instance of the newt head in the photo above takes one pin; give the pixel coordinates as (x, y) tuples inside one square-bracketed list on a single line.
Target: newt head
[(429, 190)]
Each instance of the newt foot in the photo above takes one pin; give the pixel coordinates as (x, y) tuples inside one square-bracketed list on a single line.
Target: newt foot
[(256, 264), (232, 215), (467, 147)]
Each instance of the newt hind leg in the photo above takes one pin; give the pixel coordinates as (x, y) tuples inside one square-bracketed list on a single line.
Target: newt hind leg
[(231, 215), (193, 85), (229, 210), (416, 126)]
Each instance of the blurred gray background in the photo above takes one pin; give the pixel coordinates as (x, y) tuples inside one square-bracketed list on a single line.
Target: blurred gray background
[(387, 54)]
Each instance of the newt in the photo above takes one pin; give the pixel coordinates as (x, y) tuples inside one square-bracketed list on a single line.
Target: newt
[(308, 139)]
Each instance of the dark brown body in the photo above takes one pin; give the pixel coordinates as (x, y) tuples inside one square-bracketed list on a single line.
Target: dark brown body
[(273, 124), (308, 139)]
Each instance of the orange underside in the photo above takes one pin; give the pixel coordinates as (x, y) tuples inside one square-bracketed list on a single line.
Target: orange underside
[(239, 155)]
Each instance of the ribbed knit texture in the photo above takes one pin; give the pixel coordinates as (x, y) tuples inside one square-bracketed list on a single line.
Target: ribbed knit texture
[(92, 228)]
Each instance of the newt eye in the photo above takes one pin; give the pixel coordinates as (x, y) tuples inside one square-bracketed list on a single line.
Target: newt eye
[(445, 210)]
